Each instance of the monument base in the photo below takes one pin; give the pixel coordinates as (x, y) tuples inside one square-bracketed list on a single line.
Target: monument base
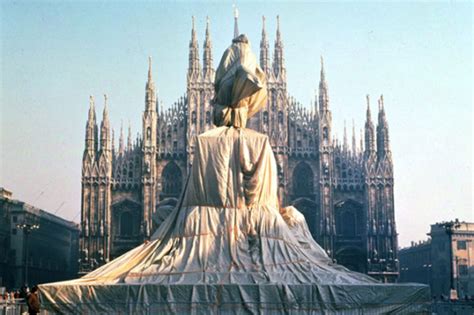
[(240, 299)]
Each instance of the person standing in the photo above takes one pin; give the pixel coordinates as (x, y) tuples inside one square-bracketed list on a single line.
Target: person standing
[(33, 301)]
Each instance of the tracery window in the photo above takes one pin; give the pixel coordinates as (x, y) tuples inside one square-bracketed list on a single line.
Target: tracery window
[(303, 180), (325, 133), (126, 224), (171, 180)]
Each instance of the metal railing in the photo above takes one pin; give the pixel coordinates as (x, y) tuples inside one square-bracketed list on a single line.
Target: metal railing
[(13, 307)]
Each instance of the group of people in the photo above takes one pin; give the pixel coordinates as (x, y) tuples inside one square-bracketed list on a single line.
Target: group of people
[(30, 297)]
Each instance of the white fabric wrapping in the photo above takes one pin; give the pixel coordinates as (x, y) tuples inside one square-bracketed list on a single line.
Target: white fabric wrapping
[(240, 86), (227, 244)]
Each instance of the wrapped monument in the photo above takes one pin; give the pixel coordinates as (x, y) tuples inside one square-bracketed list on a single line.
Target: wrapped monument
[(228, 246)]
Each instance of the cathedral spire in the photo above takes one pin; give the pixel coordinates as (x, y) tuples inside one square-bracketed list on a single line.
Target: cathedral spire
[(264, 46), (207, 58), (345, 145), (121, 140), (150, 94), (129, 140), (91, 116), (323, 90), (91, 128), (369, 131), (150, 78), (194, 65), (113, 141), (368, 115), (316, 110), (105, 139), (236, 22), (105, 114), (354, 143), (278, 59), (278, 35), (383, 146)]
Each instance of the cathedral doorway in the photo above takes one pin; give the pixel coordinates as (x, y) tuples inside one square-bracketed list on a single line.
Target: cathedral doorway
[(303, 181), (171, 181)]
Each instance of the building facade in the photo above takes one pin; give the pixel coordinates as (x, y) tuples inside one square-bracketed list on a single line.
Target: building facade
[(445, 261), (344, 188), (47, 244)]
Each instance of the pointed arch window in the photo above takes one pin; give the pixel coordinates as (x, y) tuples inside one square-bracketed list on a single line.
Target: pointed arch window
[(126, 221), (303, 180), (265, 117), (280, 118), (171, 180), (325, 133), (193, 118)]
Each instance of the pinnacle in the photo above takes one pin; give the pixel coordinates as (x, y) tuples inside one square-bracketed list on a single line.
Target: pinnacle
[(106, 110), (149, 69)]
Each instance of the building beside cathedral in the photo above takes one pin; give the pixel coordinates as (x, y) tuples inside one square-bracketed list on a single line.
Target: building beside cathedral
[(345, 190)]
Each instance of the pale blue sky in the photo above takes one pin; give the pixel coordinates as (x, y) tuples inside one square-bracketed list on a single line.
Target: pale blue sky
[(419, 55)]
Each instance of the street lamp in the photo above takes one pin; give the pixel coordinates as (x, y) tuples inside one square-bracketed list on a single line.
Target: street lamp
[(27, 228)]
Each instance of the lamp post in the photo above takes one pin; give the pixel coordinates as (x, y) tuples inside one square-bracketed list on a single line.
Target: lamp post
[(449, 227), (27, 228)]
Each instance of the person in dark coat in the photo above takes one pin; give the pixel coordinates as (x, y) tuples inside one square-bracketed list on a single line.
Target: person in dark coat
[(33, 301)]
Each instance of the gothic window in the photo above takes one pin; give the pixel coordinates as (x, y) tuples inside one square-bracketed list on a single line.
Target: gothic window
[(325, 133), (208, 117), (126, 220), (175, 145), (193, 117), (348, 224), (265, 117), (280, 118), (349, 219), (302, 180), (171, 180), (298, 143)]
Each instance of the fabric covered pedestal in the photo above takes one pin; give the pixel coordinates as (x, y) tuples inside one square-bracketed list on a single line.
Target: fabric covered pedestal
[(226, 248)]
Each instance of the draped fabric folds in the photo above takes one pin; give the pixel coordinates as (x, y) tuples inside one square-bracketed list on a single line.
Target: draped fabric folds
[(228, 248), (240, 86)]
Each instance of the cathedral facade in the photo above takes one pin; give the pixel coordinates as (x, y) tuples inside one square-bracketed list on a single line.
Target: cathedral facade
[(345, 190)]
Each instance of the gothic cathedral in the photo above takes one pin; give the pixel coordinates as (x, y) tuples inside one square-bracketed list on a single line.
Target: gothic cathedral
[(344, 190)]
